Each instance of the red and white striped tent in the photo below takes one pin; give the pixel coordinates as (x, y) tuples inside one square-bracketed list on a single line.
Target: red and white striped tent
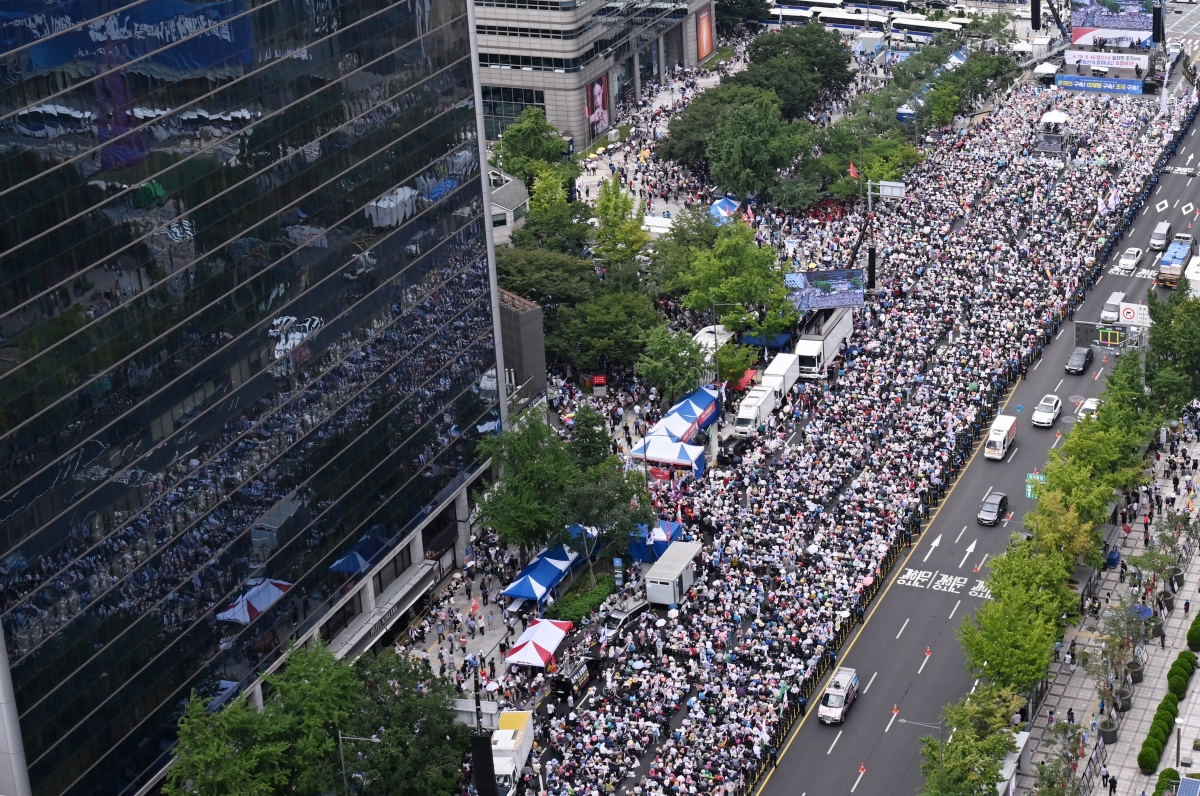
[(245, 609), (537, 644)]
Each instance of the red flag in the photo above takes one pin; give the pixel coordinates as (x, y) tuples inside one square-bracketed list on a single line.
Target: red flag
[(474, 606), (853, 171)]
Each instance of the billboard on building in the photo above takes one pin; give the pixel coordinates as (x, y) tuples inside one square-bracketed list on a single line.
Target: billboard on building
[(704, 33), (596, 105), (1107, 60), (1120, 22), (818, 290)]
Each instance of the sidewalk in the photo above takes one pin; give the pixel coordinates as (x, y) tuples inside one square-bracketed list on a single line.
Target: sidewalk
[(1078, 691)]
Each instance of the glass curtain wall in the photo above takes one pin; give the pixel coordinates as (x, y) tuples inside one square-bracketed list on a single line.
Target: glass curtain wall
[(245, 326)]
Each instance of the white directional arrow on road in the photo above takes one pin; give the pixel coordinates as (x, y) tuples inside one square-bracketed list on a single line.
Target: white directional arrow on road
[(1189, 160), (934, 544), (970, 549)]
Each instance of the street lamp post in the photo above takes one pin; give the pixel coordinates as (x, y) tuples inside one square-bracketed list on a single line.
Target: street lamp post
[(342, 755)]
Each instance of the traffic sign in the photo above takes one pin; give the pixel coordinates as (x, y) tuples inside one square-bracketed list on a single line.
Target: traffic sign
[(1031, 480), (1135, 314)]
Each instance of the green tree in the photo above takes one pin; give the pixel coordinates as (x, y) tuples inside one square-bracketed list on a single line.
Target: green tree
[(943, 104), (689, 131), (1008, 641), (530, 146), (613, 501), (552, 222), (236, 751), (797, 193), (619, 237), (673, 362), (610, 329), (550, 278), (979, 737), (731, 13), (590, 442), (1039, 577), (411, 712), (535, 470), (748, 146), (733, 361), (317, 691), (741, 279), (797, 63), (1055, 774), (1058, 527), (692, 229)]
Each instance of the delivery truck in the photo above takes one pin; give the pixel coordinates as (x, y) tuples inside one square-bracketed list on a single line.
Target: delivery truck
[(839, 696), (755, 408), (1171, 265), (781, 374), (822, 340), (512, 741), (1000, 437)]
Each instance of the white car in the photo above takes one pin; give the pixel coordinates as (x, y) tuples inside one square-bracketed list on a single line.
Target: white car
[(1132, 258), (1088, 408), (1047, 411)]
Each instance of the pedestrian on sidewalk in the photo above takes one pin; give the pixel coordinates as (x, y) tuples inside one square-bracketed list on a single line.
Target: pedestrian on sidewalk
[(1112, 784), (1070, 715), (1104, 776), (1187, 606)]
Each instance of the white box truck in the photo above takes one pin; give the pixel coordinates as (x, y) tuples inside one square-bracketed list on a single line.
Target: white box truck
[(670, 578), (755, 408), (781, 374), (512, 741), (1000, 437), (822, 341)]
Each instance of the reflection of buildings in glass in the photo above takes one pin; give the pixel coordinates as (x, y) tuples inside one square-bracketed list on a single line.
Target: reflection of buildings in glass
[(247, 336), (558, 50)]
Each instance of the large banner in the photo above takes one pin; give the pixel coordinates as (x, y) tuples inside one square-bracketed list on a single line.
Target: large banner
[(1108, 60), (817, 290), (596, 105), (1119, 22), (704, 33), (1110, 85)]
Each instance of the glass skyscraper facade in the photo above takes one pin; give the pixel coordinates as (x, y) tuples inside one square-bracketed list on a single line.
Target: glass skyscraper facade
[(246, 335)]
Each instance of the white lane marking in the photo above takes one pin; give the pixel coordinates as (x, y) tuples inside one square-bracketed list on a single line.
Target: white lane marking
[(1189, 182), (960, 533), (1101, 279), (1157, 190), (835, 740), (1056, 386), (967, 554), (1014, 453), (902, 628), (927, 657), (868, 688), (985, 494), (1056, 441), (985, 558), (954, 609), (1099, 371), (1060, 332), (1163, 205), (861, 771), (1040, 361), (893, 718), (932, 545), (1176, 204)]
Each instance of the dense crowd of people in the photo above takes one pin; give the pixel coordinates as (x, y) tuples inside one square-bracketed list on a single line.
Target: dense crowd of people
[(989, 253)]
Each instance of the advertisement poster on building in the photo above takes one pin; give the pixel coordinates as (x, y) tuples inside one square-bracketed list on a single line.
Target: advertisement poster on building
[(704, 34), (1113, 22), (597, 105)]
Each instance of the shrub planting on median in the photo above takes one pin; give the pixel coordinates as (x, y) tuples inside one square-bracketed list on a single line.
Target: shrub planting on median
[(1164, 718)]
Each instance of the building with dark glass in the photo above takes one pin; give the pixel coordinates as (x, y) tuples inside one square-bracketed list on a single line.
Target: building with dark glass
[(248, 343)]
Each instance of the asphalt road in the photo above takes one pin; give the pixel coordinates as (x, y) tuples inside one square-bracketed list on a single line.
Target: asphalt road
[(940, 581)]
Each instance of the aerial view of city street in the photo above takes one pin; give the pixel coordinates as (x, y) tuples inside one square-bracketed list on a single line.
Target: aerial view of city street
[(599, 397)]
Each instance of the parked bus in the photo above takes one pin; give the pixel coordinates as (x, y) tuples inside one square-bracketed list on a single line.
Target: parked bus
[(893, 6), (815, 6), (908, 28), (850, 22), (783, 15)]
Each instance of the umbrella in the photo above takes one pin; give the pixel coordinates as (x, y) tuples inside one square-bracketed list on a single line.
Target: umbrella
[(492, 686), (246, 609), (1142, 612)]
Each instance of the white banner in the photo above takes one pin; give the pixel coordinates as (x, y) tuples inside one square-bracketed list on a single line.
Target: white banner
[(1110, 60)]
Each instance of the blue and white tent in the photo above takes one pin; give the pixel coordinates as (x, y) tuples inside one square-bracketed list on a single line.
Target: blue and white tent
[(662, 450), (723, 209), (701, 406)]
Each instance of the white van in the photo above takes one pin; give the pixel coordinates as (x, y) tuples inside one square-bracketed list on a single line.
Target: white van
[(1000, 437), (1160, 238), (1112, 308)]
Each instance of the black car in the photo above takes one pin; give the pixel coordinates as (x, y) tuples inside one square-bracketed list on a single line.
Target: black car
[(994, 507), (730, 452), (1080, 358)]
